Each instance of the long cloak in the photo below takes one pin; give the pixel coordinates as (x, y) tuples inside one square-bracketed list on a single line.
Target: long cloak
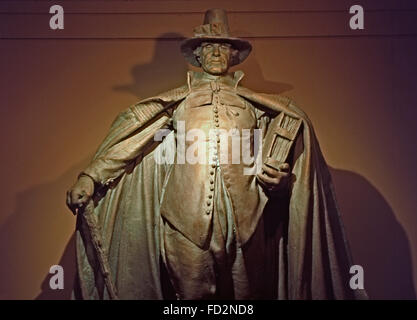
[(299, 246)]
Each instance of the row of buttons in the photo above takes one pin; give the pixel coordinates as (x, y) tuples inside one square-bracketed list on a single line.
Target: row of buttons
[(215, 152), (216, 123)]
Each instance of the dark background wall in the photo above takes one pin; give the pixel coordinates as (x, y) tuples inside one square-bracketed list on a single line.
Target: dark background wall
[(60, 90)]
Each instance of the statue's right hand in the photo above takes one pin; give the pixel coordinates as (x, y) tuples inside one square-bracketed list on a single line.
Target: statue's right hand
[(80, 193)]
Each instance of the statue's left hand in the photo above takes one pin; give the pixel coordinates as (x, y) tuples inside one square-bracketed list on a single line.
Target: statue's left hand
[(274, 180)]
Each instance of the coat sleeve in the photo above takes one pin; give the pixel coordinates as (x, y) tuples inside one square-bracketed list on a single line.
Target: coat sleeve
[(129, 137)]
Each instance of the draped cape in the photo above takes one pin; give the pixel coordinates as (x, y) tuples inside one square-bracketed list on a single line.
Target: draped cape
[(298, 251)]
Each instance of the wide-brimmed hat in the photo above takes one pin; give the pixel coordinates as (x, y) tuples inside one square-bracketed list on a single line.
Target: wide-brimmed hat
[(215, 28)]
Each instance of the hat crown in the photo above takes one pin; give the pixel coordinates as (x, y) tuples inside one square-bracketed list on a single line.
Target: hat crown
[(215, 24)]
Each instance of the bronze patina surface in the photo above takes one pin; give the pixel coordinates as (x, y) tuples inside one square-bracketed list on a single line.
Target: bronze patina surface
[(206, 229)]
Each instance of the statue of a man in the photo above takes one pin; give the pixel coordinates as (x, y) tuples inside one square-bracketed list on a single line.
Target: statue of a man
[(207, 226)]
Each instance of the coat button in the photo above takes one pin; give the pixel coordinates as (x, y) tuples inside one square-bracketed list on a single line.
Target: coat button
[(211, 172), (211, 188), (210, 196), (208, 212), (208, 202)]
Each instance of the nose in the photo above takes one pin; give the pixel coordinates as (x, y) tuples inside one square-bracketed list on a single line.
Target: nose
[(216, 50)]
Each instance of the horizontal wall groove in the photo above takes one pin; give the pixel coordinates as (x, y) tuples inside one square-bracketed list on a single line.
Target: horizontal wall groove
[(248, 38), (198, 6), (90, 12)]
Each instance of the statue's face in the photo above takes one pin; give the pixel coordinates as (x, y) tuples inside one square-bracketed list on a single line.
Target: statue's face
[(215, 57)]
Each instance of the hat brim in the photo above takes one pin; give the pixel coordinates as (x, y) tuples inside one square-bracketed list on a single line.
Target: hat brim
[(189, 45)]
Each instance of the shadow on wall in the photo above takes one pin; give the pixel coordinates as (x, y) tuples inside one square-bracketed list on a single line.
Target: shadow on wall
[(67, 262), (166, 70), (378, 242), (31, 233)]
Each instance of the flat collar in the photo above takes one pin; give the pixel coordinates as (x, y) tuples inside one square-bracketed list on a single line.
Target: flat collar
[(195, 79)]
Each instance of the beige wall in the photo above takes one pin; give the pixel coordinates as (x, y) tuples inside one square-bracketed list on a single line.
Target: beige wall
[(60, 90)]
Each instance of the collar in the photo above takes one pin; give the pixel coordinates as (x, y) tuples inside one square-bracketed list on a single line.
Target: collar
[(197, 79)]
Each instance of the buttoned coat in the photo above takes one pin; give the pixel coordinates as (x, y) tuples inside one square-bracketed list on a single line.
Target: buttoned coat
[(298, 242)]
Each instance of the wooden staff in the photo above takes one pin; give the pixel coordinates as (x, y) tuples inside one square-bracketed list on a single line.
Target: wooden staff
[(93, 227)]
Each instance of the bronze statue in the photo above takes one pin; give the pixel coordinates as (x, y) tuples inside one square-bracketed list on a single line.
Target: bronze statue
[(206, 226)]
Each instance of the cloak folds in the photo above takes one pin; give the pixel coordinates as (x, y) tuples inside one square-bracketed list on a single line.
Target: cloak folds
[(299, 247)]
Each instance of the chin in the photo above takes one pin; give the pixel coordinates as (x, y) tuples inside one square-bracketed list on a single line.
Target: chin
[(217, 71)]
